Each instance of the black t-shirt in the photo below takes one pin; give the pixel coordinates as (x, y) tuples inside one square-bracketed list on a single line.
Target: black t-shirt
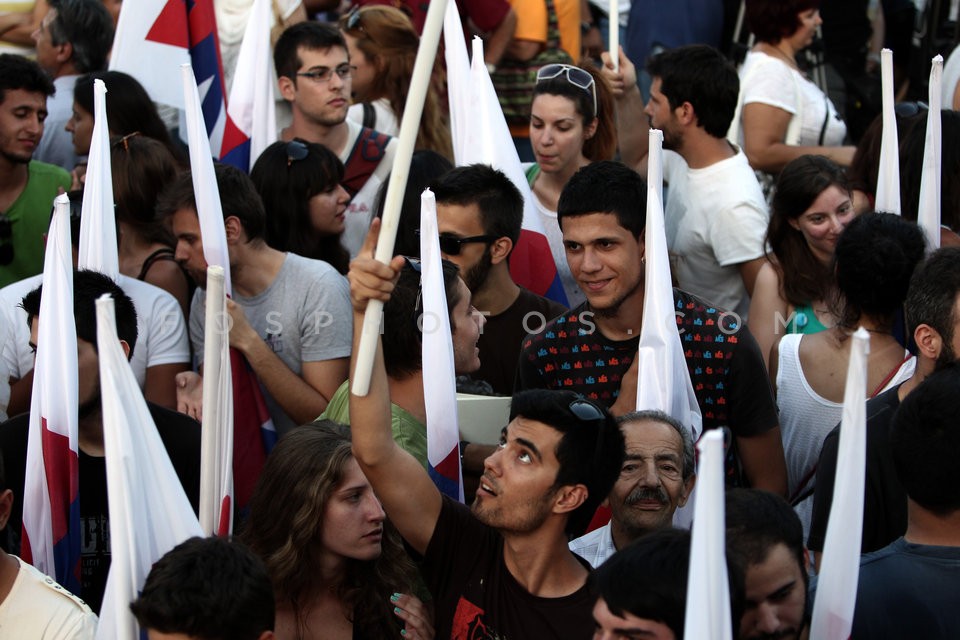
[(884, 499), (181, 438), (726, 367), (503, 334), (476, 596)]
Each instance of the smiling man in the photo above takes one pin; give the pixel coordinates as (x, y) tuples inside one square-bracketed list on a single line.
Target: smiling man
[(592, 348), (656, 478), (27, 187), (315, 76), (504, 570)]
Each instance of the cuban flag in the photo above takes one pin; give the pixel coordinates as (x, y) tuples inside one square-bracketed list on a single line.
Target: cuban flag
[(253, 432), (440, 396), (98, 226), (51, 501), (840, 571), (149, 511), (707, 613), (155, 37), (251, 104), (480, 135)]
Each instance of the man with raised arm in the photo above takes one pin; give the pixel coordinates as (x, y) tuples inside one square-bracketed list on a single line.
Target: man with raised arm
[(503, 570)]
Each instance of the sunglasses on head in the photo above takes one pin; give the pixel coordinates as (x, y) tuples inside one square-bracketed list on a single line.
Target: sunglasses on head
[(574, 75), (296, 150), (587, 412), (910, 109)]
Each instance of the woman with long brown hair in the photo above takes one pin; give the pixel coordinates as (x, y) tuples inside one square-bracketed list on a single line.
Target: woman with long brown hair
[(383, 47)]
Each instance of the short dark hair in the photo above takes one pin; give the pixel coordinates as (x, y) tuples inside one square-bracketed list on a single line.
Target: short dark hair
[(17, 72), (874, 260), (756, 522), (499, 200), (932, 296), (702, 76), (208, 588), (925, 442), (590, 452), (87, 287), (87, 27), (238, 198), (655, 415), (773, 20), (402, 344), (310, 35), (606, 187), (648, 579)]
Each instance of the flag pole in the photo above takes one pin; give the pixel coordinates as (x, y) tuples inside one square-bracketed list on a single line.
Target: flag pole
[(409, 125)]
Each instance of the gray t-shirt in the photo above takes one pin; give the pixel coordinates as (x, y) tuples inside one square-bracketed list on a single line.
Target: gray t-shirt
[(304, 315)]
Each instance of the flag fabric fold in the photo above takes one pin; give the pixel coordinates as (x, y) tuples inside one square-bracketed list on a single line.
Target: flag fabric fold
[(253, 431), (480, 135), (98, 223), (928, 210), (51, 500), (840, 571), (251, 105), (440, 396), (888, 178), (149, 511), (708, 589), (216, 445)]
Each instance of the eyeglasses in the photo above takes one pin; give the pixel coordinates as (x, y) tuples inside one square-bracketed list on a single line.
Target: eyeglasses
[(296, 150), (910, 109), (586, 411), (323, 74), (414, 264), (6, 240), (574, 75), (452, 245)]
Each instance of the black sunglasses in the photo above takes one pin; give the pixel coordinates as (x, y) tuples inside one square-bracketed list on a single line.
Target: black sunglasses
[(588, 412), (910, 109), (452, 245), (353, 18), (296, 150)]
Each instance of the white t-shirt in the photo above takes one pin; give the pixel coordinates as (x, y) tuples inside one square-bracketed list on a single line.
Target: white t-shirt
[(360, 210), (384, 120), (161, 328), (715, 218), (950, 79), (766, 80), (40, 609)]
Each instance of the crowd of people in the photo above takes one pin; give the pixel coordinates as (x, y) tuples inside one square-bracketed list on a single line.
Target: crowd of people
[(776, 253)]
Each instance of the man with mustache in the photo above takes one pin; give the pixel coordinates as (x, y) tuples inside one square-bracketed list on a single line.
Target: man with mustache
[(656, 478)]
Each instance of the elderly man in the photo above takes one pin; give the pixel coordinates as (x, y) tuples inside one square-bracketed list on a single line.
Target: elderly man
[(656, 478)]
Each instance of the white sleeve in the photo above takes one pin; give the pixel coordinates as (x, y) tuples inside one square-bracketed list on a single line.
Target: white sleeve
[(168, 332), (772, 83)]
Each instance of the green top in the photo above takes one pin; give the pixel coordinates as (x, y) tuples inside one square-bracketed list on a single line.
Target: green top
[(29, 217), (805, 321), (408, 432)]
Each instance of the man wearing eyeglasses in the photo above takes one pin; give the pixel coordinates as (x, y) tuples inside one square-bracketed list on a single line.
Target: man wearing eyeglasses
[(479, 215), (27, 187), (503, 568), (315, 76)]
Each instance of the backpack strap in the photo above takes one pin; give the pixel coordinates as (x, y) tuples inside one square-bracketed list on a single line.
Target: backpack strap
[(364, 159)]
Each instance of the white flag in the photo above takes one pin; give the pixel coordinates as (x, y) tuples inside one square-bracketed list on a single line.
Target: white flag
[(840, 570), (98, 222), (149, 511), (928, 209), (888, 177)]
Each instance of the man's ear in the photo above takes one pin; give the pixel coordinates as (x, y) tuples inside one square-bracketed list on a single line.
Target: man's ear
[(64, 52), (686, 114), (233, 228), (6, 506), (569, 498), (126, 348), (288, 88), (929, 342), (500, 249), (687, 490)]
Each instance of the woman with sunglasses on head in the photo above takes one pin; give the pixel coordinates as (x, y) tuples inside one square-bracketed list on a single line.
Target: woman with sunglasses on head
[(782, 114), (812, 204), (299, 183), (339, 569), (571, 125), (383, 47), (142, 167)]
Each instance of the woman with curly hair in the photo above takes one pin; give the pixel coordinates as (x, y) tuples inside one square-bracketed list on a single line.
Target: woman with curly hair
[(812, 205), (383, 47), (338, 568), (299, 183)]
